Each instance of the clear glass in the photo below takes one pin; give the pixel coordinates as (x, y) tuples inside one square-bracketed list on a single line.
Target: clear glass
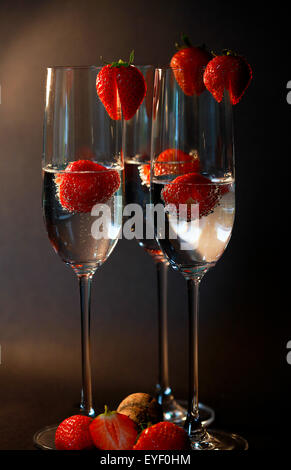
[(197, 209), (82, 150), (136, 144)]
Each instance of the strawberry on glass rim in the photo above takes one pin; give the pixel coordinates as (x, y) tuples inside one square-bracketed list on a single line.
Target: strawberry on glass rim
[(188, 66), (190, 189), (121, 87), (85, 183), (228, 71), (171, 162)]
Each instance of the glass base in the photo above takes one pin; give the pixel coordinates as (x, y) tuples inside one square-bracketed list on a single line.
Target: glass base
[(176, 412), (44, 439), (219, 440)]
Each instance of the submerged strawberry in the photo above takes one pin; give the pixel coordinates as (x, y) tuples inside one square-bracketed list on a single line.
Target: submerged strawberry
[(228, 72), (171, 162), (121, 87), (163, 436), (85, 183), (191, 189), (73, 434), (188, 65), (145, 174), (113, 431), (176, 162)]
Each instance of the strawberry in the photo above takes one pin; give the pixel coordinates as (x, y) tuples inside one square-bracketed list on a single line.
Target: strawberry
[(113, 431), (176, 162), (145, 174), (163, 436), (228, 72), (171, 162), (73, 434), (188, 65), (193, 188), (121, 87), (85, 183), (107, 91)]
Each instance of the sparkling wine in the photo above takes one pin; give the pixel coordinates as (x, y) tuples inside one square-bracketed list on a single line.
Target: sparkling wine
[(71, 233), (200, 242), (137, 190)]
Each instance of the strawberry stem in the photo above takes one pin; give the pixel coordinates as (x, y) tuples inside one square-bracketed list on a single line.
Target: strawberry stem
[(187, 43), (228, 52), (186, 40), (131, 57), (107, 411), (122, 63)]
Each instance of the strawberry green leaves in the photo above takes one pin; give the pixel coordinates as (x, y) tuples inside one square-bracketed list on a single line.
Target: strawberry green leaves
[(121, 87)]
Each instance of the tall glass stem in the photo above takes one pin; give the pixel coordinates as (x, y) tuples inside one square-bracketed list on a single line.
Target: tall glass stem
[(193, 423), (85, 301), (163, 387)]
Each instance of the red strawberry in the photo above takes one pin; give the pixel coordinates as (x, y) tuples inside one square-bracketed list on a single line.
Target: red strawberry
[(228, 72), (163, 436), (145, 174), (171, 162), (73, 434), (121, 86), (113, 431), (107, 91), (176, 162), (85, 183), (188, 65), (193, 188)]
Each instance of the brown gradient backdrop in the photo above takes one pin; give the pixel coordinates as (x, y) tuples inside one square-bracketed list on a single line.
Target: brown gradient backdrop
[(242, 352)]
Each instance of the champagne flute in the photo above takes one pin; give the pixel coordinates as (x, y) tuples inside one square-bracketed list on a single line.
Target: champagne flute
[(194, 211), (136, 144), (82, 179)]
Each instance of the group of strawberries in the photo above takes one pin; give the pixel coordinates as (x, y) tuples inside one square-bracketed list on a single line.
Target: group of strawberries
[(115, 431), (121, 88), (86, 183)]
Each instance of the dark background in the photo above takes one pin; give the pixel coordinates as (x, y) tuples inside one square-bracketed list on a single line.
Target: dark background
[(245, 322)]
